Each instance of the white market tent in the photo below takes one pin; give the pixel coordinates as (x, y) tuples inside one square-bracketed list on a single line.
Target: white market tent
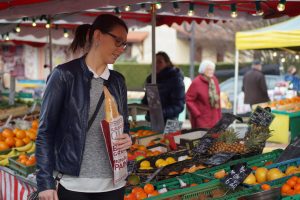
[(284, 36)]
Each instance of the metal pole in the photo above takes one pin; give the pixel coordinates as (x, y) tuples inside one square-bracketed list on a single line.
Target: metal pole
[(192, 51), (236, 78), (153, 20), (50, 47)]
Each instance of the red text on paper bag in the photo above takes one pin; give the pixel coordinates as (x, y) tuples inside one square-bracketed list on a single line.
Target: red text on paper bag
[(118, 158)]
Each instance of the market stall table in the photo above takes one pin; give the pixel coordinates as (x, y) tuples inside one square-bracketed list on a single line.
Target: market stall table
[(14, 186)]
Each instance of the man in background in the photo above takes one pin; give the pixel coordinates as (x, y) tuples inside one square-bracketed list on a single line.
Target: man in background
[(254, 85)]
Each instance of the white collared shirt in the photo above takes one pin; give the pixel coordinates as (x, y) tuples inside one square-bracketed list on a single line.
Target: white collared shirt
[(105, 75)]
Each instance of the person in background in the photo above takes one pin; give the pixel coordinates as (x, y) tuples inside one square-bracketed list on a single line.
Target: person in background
[(203, 97), (293, 78), (70, 141), (170, 87), (254, 85)]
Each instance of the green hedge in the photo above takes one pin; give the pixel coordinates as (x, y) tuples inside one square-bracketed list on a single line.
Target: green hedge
[(136, 74)]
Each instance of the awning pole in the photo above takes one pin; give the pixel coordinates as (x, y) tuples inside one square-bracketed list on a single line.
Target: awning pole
[(153, 20), (236, 78)]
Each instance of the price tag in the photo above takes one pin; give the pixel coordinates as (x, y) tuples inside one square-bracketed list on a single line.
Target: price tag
[(131, 164), (261, 116), (236, 176), (226, 120), (204, 145), (219, 158), (172, 126)]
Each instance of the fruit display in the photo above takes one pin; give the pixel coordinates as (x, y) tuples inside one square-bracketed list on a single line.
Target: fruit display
[(289, 104), (291, 186), (142, 133), (138, 193), (228, 141), (138, 152)]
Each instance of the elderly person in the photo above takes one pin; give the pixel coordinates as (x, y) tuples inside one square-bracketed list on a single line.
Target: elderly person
[(203, 97)]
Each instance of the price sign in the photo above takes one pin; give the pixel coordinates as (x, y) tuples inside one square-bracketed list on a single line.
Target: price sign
[(172, 126), (236, 176), (204, 145), (219, 158), (131, 166), (261, 116), (226, 120)]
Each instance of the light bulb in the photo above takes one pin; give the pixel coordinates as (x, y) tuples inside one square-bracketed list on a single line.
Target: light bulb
[(33, 24), (275, 54), (7, 37), (18, 29), (158, 6), (297, 57), (191, 13), (281, 7), (234, 14), (127, 8), (283, 60), (259, 12), (66, 34)]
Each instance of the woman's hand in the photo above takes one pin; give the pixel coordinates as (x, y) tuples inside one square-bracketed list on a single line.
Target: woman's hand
[(48, 195), (123, 141)]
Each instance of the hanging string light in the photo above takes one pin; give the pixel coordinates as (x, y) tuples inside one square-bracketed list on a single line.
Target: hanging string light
[(234, 13), (275, 54), (210, 10), (158, 6), (18, 29), (143, 7), (7, 36), (48, 25), (297, 57), (117, 11), (66, 34), (259, 11), (282, 60), (281, 5), (33, 22), (191, 11), (127, 8), (176, 7)]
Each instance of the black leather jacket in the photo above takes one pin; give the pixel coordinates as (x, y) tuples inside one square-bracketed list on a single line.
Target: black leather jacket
[(64, 119)]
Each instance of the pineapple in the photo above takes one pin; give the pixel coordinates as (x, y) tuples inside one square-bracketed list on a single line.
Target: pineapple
[(256, 138), (227, 142)]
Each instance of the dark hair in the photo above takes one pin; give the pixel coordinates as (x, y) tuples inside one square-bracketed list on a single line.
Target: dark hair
[(84, 33), (256, 62), (165, 57)]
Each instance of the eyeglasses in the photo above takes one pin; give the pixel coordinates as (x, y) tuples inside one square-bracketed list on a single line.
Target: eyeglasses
[(118, 42)]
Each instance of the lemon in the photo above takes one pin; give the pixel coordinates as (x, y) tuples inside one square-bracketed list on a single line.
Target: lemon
[(170, 160), (157, 163), (145, 164), (163, 163)]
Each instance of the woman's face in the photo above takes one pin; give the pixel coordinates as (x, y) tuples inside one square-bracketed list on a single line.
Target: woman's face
[(112, 44), (209, 71), (160, 63)]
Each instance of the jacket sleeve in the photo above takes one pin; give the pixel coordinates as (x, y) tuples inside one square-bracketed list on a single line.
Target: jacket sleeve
[(177, 100), (191, 97), (263, 84), (49, 116)]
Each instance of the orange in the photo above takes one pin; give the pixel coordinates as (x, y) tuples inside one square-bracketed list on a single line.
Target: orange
[(26, 140), (291, 182), (294, 178), (2, 138), (32, 158), (21, 134), (148, 188), (285, 188), (142, 148), (19, 143), (297, 187), (3, 146), (136, 190), (193, 184), (131, 196), (23, 156), (10, 141), (35, 124), (31, 134), (265, 187), (8, 133), (23, 161), (154, 193), (29, 162), (141, 195), (16, 130)]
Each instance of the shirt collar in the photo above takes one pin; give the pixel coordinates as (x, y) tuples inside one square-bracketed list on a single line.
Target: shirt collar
[(104, 75)]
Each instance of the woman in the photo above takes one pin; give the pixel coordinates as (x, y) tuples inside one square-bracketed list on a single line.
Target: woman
[(70, 139), (170, 87), (203, 97)]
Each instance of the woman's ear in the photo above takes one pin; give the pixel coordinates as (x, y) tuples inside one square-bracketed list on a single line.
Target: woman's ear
[(97, 37)]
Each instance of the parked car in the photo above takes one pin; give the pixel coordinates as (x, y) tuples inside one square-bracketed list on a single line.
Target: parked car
[(227, 88)]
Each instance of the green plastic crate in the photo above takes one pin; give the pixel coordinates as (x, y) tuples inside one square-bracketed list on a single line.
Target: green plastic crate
[(295, 197), (258, 160), (282, 166), (140, 128), (20, 168)]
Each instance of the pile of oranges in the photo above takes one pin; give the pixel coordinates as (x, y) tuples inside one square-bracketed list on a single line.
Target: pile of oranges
[(139, 193), (26, 160), (10, 138), (291, 186)]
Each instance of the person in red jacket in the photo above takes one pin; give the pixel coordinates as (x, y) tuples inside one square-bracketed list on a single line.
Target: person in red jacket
[(203, 97)]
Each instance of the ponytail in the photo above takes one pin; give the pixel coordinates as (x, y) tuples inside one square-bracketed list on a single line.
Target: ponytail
[(82, 35)]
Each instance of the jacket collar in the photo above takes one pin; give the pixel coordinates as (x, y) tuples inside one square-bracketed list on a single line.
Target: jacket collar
[(86, 72)]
